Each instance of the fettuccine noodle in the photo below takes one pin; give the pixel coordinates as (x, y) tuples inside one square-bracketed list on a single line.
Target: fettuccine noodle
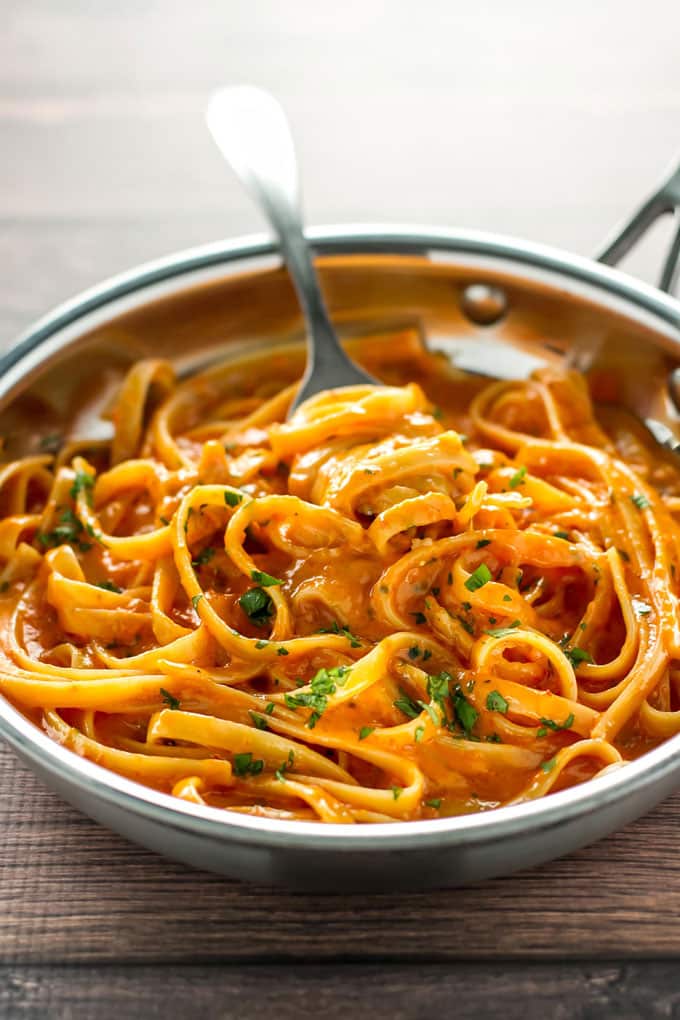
[(356, 615)]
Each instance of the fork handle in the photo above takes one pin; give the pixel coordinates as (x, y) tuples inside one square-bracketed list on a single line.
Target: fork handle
[(666, 199)]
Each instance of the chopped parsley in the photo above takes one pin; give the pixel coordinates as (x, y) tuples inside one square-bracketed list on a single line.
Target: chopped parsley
[(265, 579), (397, 791), (365, 731), (466, 714), (170, 700), (482, 542), (282, 651), (407, 705), (259, 721), (504, 631), (518, 477), (69, 529), (261, 644), (195, 599), (245, 765), (109, 586), (203, 557), (438, 688), (550, 724), (578, 655), (285, 767), (419, 733), (233, 498), (419, 618), (414, 652), (639, 500), (83, 482), (495, 702), (335, 628), (478, 578), (435, 803), (257, 605), (562, 534), (548, 766), (322, 685)]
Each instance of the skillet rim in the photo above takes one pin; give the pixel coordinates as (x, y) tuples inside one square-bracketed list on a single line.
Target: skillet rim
[(542, 815)]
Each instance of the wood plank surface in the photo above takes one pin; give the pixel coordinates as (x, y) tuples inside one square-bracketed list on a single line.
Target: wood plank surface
[(525, 118), (377, 991), (71, 892)]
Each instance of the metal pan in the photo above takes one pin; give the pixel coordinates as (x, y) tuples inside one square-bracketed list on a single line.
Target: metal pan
[(469, 294)]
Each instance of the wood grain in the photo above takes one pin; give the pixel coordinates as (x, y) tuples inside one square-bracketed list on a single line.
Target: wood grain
[(71, 892), (380, 991), (517, 118)]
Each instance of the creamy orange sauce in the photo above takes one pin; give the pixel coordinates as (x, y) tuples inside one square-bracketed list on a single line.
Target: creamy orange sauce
[(431, 597)]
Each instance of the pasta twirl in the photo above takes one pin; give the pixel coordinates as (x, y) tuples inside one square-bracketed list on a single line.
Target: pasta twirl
[(357, 615)]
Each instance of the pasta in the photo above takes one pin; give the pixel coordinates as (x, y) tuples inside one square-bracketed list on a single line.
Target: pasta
[(356, 615)]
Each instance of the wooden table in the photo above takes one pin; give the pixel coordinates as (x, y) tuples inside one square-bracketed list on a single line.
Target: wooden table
[(522, 118)]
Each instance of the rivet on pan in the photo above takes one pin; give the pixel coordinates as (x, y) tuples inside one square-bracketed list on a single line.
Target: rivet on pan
[(483, 303)]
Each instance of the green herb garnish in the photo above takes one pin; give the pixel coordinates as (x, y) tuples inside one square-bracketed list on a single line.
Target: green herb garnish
[(257, 605), (68, 530), (466, 713), (109, 586), (478, 578), (407, 705), (504, 631), (265, 579), (495, 702), (170, 700), (285, 767), (245, 765), (518, 477), (578, 655), (322, 685), (83, 482), (203, 557), (550, 724), (335, 628)]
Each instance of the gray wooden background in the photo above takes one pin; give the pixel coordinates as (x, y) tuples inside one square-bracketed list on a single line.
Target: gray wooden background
[(531, 118)]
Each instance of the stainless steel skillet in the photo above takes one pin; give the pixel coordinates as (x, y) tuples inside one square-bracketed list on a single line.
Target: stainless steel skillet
[(469, 294)]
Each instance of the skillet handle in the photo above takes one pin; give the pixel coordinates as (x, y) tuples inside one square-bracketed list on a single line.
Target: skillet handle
[(666, 199)]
